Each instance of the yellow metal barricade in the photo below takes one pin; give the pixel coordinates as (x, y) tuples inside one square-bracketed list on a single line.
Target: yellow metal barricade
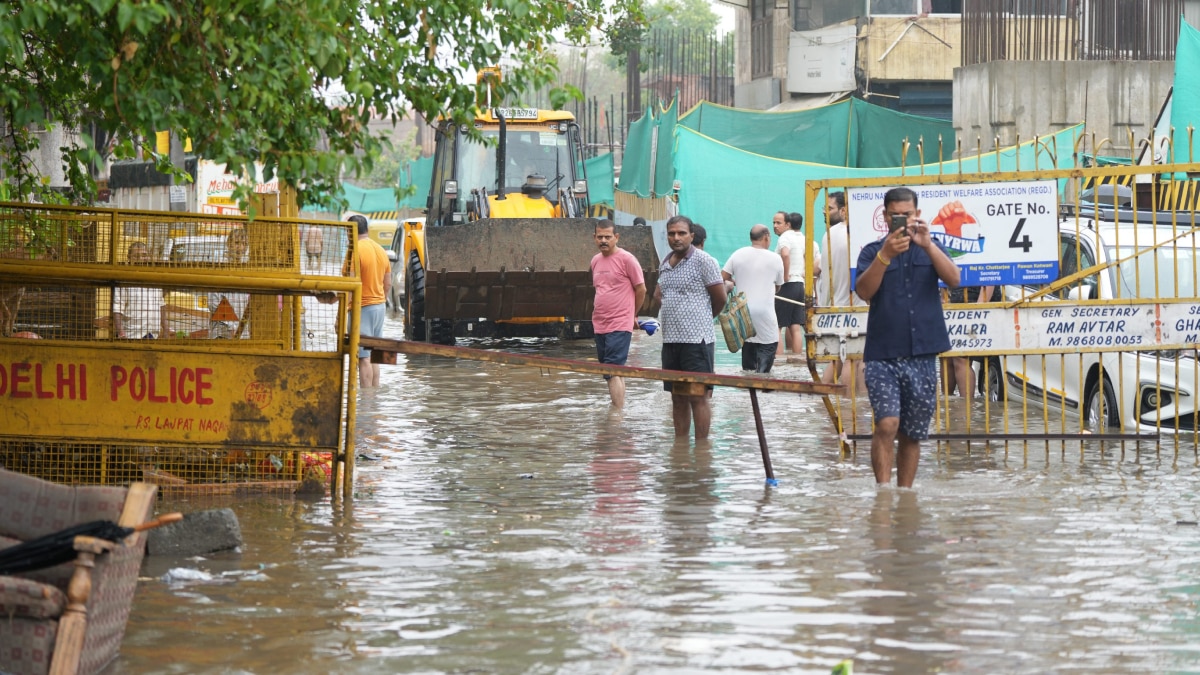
[(1096, 342), (189, 350)]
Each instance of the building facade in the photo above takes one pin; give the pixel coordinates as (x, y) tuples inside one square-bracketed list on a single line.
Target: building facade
[(1002, 70)]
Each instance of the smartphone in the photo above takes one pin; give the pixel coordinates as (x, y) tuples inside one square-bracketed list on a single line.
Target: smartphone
[(898, 223)]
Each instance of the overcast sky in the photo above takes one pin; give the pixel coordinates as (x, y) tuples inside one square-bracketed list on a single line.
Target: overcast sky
[(726, 13)]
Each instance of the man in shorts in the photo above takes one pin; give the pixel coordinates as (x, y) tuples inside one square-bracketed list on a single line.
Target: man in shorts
[(906, 330), (692, 294), (620, 291), (375, 268), (791, 248), (758, 272)]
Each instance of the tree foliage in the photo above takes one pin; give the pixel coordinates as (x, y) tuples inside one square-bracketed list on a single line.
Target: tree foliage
[(288, 83), (688, 15), (631, 32)]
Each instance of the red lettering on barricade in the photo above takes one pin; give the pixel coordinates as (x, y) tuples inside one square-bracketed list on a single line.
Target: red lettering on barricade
[(66, 380), (186, 378), (152, 396), (137, 384), (258, 394), (69, 381), (185, 385), (173, 423), (119, 376), (37, 383), (201, 385), (18, 379)]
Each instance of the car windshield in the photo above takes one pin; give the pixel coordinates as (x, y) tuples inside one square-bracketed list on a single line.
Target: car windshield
[(528, 151), (197, 249), (1166, 272)]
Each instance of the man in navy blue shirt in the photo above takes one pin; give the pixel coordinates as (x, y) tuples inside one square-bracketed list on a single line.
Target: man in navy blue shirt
[(906, 330)]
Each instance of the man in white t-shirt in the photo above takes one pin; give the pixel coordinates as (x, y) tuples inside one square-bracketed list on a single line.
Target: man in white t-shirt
[(137, 312), (835, 291), (791, 248), (758, 272)]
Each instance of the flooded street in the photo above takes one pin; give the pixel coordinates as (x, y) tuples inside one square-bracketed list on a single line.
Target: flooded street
[(503, 521)]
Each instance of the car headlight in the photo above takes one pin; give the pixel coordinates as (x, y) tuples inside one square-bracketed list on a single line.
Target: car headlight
[(1153, 397)]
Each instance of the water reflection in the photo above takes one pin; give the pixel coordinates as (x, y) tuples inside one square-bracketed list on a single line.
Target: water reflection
[(908, 565), (688, 500), (615, 522)]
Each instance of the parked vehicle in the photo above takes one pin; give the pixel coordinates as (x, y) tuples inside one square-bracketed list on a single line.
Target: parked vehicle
[(395, 299), (1137, 390), (506, 247), (187, 312)]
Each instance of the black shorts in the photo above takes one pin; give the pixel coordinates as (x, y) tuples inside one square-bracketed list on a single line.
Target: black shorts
[(692, 357), (758, 357), (789, 313)]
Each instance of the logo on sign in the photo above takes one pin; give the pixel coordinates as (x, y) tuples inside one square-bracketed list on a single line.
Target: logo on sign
[(258, 395), (960, 232)]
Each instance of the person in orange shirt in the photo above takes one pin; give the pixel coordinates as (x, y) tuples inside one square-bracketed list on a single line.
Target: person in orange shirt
[(374, 268)]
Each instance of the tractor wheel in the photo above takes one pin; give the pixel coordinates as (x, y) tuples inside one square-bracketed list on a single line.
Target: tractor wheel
[(414, 317)]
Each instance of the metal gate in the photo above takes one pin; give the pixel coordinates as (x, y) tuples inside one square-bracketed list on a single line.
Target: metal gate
[(201, 353), (1082, 319)]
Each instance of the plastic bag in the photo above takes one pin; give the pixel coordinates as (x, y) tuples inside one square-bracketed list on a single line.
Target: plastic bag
[(735, 321)]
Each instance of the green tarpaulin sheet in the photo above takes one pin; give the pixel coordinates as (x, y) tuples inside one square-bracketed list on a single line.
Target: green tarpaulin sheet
[(1185, 96), (850, 133)]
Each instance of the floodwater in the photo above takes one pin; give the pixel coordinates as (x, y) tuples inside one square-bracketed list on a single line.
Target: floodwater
[(509, 523)]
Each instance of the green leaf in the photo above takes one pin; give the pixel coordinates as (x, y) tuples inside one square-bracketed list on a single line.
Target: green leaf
[(124, 16)]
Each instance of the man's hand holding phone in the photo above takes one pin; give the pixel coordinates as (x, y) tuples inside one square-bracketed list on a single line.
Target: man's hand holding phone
[(898, 239)]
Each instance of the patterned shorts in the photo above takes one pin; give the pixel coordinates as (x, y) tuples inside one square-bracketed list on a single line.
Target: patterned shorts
[(904, 388)]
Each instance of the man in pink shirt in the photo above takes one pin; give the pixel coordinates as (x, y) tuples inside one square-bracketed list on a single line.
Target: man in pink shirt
[(620, 292)]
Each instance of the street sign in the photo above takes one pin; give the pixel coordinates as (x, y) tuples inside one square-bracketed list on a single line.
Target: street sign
[(997, 233)]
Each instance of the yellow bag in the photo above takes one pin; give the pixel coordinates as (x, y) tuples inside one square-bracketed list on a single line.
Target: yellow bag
[(735, 321)]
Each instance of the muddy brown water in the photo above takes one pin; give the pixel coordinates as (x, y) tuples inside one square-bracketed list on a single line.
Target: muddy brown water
[(511, 524)]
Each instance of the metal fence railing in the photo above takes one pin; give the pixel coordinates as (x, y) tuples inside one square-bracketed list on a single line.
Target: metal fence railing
[(182, 349), (1081, 316)]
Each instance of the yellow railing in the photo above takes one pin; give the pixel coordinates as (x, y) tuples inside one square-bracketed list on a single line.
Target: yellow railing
[(1104, 349), (195, 352)]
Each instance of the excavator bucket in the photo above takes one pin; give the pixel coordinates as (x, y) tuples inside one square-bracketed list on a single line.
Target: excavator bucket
[(522, 270)]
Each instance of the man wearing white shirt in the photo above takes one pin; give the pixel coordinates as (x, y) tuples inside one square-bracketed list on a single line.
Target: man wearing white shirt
[(758, 272), (137, 312), (791, 248), (835, 289)]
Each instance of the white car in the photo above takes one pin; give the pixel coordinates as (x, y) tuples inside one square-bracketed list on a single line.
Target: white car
[(189, 313), (1137, 390), (395, 299)]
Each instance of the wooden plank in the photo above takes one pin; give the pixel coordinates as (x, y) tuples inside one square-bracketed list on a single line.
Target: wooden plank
[(384, 350)]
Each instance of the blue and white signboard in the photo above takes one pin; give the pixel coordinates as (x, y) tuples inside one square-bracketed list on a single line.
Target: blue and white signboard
[(997, 233)]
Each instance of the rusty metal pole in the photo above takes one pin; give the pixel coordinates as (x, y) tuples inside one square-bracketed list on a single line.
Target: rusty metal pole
[(762, 438)]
